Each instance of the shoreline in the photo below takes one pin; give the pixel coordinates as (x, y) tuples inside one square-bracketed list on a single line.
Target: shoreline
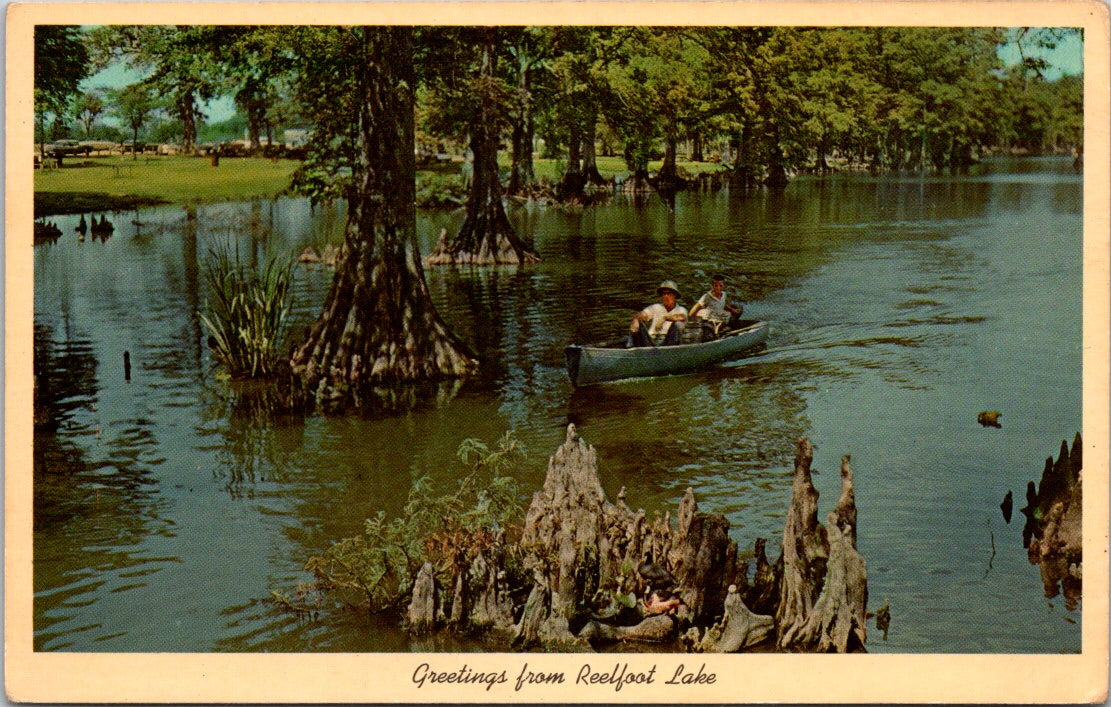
[(267, 182)]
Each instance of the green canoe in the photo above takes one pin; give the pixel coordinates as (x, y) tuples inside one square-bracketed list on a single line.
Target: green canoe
[(587, 365)]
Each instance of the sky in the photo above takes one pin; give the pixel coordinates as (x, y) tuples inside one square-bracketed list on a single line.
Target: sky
[(1066, 59), (118, 75)]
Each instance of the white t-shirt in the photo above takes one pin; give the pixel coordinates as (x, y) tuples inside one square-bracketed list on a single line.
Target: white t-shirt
[(712, 308), (658, 326)]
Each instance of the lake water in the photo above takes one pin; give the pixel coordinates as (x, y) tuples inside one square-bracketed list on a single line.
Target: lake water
[(167, 507)]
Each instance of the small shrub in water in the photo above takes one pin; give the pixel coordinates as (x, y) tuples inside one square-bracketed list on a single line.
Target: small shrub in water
[(247, 313), (375, 570)]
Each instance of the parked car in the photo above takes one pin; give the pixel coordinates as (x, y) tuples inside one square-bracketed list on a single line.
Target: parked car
[(62, 148), (98, 145), (235, 148)]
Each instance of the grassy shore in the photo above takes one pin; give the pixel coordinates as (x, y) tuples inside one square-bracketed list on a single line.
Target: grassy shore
[(609, 167), (115, 183), (119, 183)]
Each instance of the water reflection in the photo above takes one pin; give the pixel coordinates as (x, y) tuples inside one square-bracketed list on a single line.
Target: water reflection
[(93, 512), (894, 303)]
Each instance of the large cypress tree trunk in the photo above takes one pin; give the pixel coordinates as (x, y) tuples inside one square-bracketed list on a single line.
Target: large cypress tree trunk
[(668, 178), (379, 325), (777, 171), (571, 186), (486, 236), (590, 153), (187, 111), (249, 100), (521, 174)]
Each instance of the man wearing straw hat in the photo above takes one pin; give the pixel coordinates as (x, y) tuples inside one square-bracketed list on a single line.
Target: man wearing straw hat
[(659, 324)]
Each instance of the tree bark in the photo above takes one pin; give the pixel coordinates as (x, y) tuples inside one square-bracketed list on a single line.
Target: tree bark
[(590, 172), (837, 622), (744, 172), (421, 614), (521, 175), (669, 174), (187, 111), (763, 595), (573, 181), (486, 236), (805, 551), (378, 325), (654, 629), (696, 147), (739, 628), (1054, 526), (705, 558)]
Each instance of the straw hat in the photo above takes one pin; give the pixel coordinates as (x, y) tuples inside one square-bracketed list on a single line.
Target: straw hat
[(667, 285)]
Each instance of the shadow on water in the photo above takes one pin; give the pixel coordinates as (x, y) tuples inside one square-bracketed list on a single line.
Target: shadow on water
[(89, 511), (261, 437)]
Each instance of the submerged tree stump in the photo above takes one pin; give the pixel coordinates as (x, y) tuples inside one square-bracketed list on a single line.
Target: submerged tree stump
[(739, 628), (837, 623), (600, 572), (705, 558), (824, 560), (805, 550), (421, 615), (763, 595), (638, 183), (1054, 524)]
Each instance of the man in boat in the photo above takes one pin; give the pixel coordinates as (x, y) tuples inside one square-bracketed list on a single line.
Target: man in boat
[(659, 324), (715, 311)]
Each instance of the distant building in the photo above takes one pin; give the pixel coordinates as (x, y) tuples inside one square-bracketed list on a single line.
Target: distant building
[(296, 137), (263, 141)]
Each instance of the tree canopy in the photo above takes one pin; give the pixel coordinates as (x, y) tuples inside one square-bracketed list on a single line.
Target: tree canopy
[(61, 62), (766, 101)]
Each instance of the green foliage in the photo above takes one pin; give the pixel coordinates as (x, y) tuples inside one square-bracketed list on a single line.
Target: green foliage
[(375, 570), (326, 62), (165, 131), (440, 190), (88, 106), (779, 97), (1042, 116), (246, 313), (177, 61), (133, 105), (223, 131), (61, 62)]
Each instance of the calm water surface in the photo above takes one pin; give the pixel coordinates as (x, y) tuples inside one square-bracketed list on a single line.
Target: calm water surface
[(169, 507)]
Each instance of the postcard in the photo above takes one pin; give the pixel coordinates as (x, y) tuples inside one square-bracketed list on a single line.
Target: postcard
[(513, 352)]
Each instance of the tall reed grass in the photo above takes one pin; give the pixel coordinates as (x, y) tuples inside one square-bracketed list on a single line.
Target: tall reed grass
[(247, 313)]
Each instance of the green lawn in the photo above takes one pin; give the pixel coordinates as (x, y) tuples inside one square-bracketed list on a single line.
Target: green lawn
[(102, 183)]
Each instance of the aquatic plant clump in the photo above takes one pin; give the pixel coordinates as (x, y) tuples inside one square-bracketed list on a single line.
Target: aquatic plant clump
[(247, 313), (375, 571)]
